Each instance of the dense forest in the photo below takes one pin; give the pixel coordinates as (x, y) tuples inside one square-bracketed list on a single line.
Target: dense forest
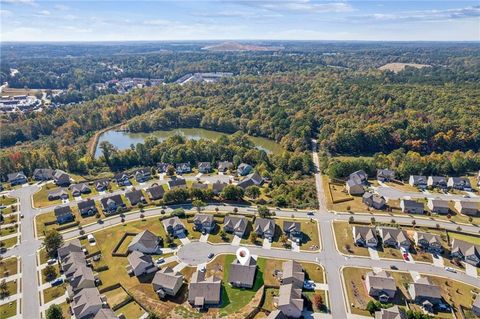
[(289, 96)]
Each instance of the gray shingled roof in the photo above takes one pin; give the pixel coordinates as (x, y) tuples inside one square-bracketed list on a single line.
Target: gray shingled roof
[(146, 238), (167, 278), (244, 274)]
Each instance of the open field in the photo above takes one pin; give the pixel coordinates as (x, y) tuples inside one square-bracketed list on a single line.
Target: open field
[(19, 91), (397, 67)]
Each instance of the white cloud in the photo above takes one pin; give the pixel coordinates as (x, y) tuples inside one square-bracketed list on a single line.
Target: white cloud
[(61, 7), (44, 13), (5, 13), (301, 6), (423, 15), (27, 2)]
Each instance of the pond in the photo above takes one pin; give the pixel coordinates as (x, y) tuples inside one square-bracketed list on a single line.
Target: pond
[(123, 140)]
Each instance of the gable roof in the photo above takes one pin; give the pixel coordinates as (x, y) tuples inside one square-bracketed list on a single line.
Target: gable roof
[(177, 182), (137, 258), (86, 204), (243, 273), (117, 199), (156, 191), (264, 225), (381, 280), (203, 218), (204, 290), (364, 233), (290, 294), (84, 299), (134, 196), (80, 187), (237, 223), (292, 269), (167, 277), (14, 176), (391, 313), (146, 238), (291, 226), (424, 288), (62, 211), (172, 222), (465, 248)]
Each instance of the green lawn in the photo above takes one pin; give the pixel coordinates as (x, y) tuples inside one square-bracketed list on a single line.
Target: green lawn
[(10, 242), (468, 238), (5, 200), (313, 272), (8, 267), (131, 310), (40, 198), (8, 310), (234, 299), (309, 229), (52, 293), (8, 231)]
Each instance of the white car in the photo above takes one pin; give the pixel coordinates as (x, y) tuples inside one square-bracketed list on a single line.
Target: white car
[(450, 269), (51, 261)]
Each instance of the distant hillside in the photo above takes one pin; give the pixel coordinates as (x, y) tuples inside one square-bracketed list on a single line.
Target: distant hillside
[(234, 46), (397, 67)]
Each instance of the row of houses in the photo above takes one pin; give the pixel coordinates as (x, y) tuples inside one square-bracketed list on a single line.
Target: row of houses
[(381, 285), (394, 237), (358, 180), (86, 300)]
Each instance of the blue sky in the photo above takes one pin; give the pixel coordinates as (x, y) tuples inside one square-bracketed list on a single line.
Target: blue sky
[(121, 20)]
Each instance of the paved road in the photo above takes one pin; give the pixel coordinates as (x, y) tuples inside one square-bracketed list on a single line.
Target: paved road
[(27, 250)]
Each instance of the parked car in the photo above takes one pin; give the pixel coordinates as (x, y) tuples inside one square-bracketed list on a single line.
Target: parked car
[(57, 282), (310, 213), (405, 256), (91, 239), (394, 267), (210, 256), (160, 261), (450, 269), (51, 261), (309, 284)]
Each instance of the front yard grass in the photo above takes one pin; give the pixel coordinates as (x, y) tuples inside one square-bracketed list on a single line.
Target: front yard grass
[(41, 219), (40, 198), (53, 293), (5, 200), (309, 229), (313, 272), (344, 239), (8, 267), (8, 310), (8, 230), (10, 242)]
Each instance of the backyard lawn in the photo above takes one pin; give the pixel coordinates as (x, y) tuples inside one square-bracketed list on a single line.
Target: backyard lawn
[(468, 238), (40, 198), (131, 310), (52, 293)]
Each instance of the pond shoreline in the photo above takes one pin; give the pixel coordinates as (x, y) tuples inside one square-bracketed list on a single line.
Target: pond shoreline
[(123, 139)]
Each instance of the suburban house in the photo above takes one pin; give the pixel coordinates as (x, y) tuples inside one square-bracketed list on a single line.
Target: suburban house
[(242, 275), (354, 187), (173, 226), (460, 183), (101, 185), (244, 169), (145, 242), (292, 273), (204, 223), (69, 247), (236, 225), (17, 178), (380, 285), (438, 206), (359, 177), (182, 168), (135, 197), (87, 303), (204, 291), (142, 175), (61, 178), (224, 166), (467, 208), (105, 313), (79, 189), (63, 214), (393, 237), (418, 181), (43, 174), (264, 227), (87, 207), (411, 206), (365, 236), (468, 252), (385, 175), (374, 200), (202, 186), (122, 179), (437, 182), (204, 167), (57, 194), (476, 305), (253, 179), (289, 300), (81, 278), (167, 282), (112, 204), (139, 263), (218, 187), (177, 183), (155, 192), (425, 294), (162, 167), (293, 230), (391, 313), (428, 242)]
